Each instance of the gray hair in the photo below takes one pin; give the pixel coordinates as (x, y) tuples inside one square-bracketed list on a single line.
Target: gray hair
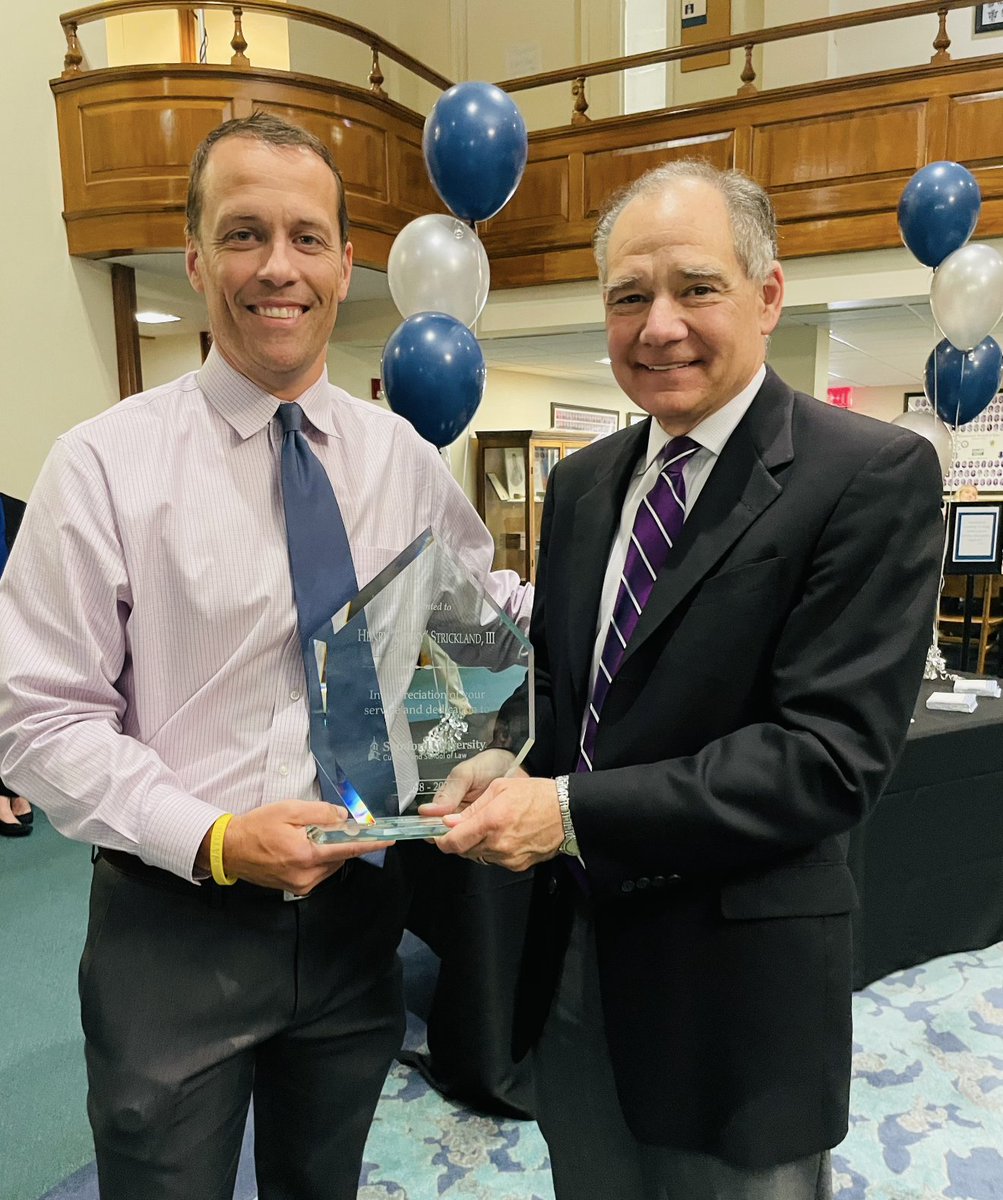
[(750, 211)]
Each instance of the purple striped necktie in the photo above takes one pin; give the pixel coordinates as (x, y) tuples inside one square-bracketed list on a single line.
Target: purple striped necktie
[(657, 526)]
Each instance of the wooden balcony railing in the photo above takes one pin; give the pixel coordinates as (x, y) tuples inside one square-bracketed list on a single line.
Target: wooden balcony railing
[(579, 76), (834, 154), (378, 45)]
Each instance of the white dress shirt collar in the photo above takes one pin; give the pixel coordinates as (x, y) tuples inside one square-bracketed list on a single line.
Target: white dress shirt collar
[(248, 408), (713, 431)]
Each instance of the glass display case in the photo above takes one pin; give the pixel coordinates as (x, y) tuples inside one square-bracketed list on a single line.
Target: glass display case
[(513, 467)]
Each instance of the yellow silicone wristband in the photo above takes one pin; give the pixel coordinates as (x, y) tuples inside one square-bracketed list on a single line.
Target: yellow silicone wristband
[(216, 851)]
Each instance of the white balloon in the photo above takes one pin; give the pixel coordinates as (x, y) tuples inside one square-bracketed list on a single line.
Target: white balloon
[(931, 427), (967, 294), (438, 264)]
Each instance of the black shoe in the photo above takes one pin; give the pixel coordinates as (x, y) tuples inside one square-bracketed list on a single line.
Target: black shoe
[(27, 818), (14, 829)]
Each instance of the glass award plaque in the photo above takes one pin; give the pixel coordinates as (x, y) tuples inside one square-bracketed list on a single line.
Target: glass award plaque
[(418, 672)]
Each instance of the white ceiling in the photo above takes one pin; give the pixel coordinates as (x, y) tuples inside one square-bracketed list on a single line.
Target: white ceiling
[(877, 345)]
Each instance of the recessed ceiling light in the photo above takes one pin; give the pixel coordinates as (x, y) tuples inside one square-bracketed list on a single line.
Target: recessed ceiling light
[(156, 318)]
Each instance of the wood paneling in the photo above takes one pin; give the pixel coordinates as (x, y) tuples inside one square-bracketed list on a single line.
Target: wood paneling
[(606, 171), (542, 195), (820, 150), (835, 156), (974, 125), (358, 147), (127, 136), (411, 180)]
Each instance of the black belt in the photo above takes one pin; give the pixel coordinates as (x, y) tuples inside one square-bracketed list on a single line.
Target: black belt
[(208, 890)]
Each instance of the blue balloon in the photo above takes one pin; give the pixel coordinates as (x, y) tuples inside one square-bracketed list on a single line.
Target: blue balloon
[(433, 374), (961, 383), (939, 210), (475, 148)]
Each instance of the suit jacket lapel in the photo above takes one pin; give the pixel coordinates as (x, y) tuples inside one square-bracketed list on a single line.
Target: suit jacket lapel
[(740, 487), (597, 515)]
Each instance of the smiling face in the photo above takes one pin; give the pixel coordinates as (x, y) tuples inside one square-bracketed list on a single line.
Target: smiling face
[(686, 327), (269, 260)]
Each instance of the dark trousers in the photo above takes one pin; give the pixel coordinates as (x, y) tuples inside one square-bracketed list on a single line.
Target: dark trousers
[(195, 1000), (592, 1151)]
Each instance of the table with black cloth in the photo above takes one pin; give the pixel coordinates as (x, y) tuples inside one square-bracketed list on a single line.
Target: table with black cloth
[(928, 861), (928, 864)]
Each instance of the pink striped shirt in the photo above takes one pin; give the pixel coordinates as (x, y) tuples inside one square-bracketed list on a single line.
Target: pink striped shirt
[(150, 675)]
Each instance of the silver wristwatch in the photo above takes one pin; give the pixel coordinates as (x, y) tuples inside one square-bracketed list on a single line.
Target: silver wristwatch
[(570, 843)]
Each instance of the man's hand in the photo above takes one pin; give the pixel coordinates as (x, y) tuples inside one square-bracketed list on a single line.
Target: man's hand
[(467, 780), (268, 846), (514, 823)]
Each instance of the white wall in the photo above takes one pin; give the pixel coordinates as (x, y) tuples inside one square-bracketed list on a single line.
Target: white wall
[(55, 312), (711, 83), (800, 355), (155, 37), (799, 61), (885, 403), (903, 43), (165, 358)]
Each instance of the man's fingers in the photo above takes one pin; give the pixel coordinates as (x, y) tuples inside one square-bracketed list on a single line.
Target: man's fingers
[(313, 812)]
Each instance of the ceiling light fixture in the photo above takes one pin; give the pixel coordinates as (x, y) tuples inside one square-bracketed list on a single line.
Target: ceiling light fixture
[(156, 318)]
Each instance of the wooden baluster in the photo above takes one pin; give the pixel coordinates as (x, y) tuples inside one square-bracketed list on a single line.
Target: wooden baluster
[(941, 41), (748, 75), (578, 116), (376, 75), (238, 42), (74, 53)]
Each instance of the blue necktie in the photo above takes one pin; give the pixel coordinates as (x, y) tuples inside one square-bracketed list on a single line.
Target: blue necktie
[(319, 555), (342, 726)]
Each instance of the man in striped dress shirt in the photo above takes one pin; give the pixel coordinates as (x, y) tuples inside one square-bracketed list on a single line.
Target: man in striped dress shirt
[(153, 688)]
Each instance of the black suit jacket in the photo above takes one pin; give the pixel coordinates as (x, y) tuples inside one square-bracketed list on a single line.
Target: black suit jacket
[(13, 511), (759, 710)]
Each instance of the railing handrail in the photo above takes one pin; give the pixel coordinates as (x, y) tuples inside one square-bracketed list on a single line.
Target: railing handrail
[(736, 41), (576, 75), (375, 42)]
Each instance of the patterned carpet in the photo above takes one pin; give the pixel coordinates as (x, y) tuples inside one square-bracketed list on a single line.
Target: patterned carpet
[(926, 1102), (927, 1105)]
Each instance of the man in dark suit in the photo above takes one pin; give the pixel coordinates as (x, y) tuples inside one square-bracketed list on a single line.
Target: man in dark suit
[(687, 980)]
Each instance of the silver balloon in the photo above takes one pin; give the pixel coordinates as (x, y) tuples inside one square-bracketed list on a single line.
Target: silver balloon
[(438, 264), (936, 433), (967, 294)]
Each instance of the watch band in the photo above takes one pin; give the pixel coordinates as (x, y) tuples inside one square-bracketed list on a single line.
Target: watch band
[(570, 843)]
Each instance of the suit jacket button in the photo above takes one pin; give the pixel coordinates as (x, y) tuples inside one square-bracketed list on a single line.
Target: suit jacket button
[(627, 885), (674, 878), (551, 886), (658, 881), (643, 882)]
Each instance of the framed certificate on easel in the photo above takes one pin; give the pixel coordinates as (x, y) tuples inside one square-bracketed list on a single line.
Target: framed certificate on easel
[(974, 546)]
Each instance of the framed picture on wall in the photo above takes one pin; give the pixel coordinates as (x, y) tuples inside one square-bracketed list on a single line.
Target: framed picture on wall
[(989, 17), (635, 418), (573, 418)]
